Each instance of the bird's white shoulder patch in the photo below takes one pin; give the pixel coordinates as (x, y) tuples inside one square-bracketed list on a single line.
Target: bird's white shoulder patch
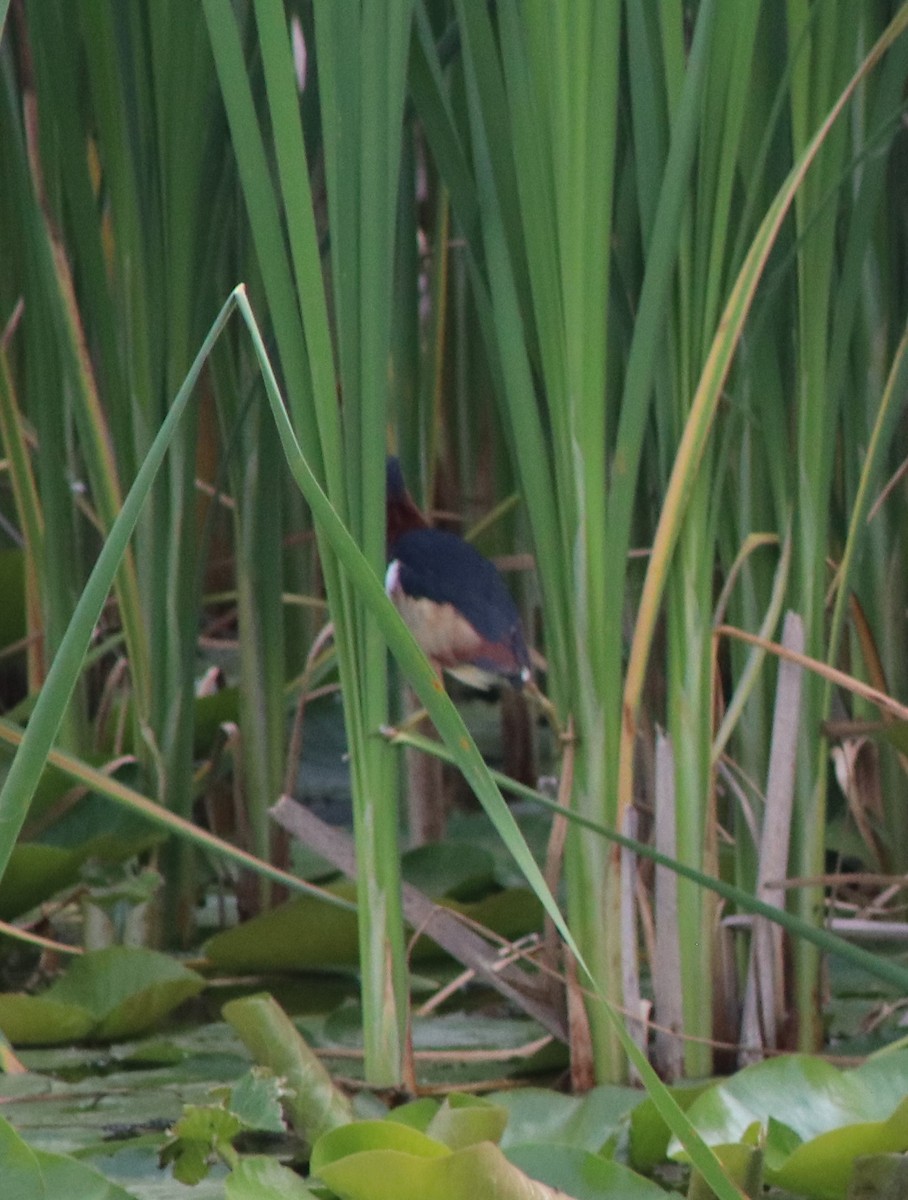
[(392, 578)]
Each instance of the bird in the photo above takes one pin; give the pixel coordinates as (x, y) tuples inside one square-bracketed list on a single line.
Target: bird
[(452, 598)]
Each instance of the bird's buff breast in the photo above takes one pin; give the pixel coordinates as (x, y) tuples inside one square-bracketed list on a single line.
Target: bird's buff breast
[(440, 630)]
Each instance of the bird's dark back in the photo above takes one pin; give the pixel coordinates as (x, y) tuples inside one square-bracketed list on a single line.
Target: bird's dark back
[(443, 568)]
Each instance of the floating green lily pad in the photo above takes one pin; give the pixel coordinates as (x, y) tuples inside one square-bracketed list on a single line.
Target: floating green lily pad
[(117, 992), (30, 1174), (582, 1175), (40, 1020), (587, 1122), (306, 933), (257, 1177), (386, 1173), (816, 1119), (34, 873)]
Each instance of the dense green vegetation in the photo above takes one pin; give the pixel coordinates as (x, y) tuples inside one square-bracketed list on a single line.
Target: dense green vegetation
[(623, 283)]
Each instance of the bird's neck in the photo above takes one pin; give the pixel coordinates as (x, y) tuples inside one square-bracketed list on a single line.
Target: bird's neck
[(403, 515)]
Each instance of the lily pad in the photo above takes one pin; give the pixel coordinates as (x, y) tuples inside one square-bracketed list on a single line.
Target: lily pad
[(34, 873), (465, 1120), (364, 1137), (129, 990), (305, 933), (40, 1020), (302, 933), (582, 1175), (469, 1174), (823, 1166), (29, 1174), (113, 993), (816, 1119), (258, 1177), (538, 1115), (456, 869)]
